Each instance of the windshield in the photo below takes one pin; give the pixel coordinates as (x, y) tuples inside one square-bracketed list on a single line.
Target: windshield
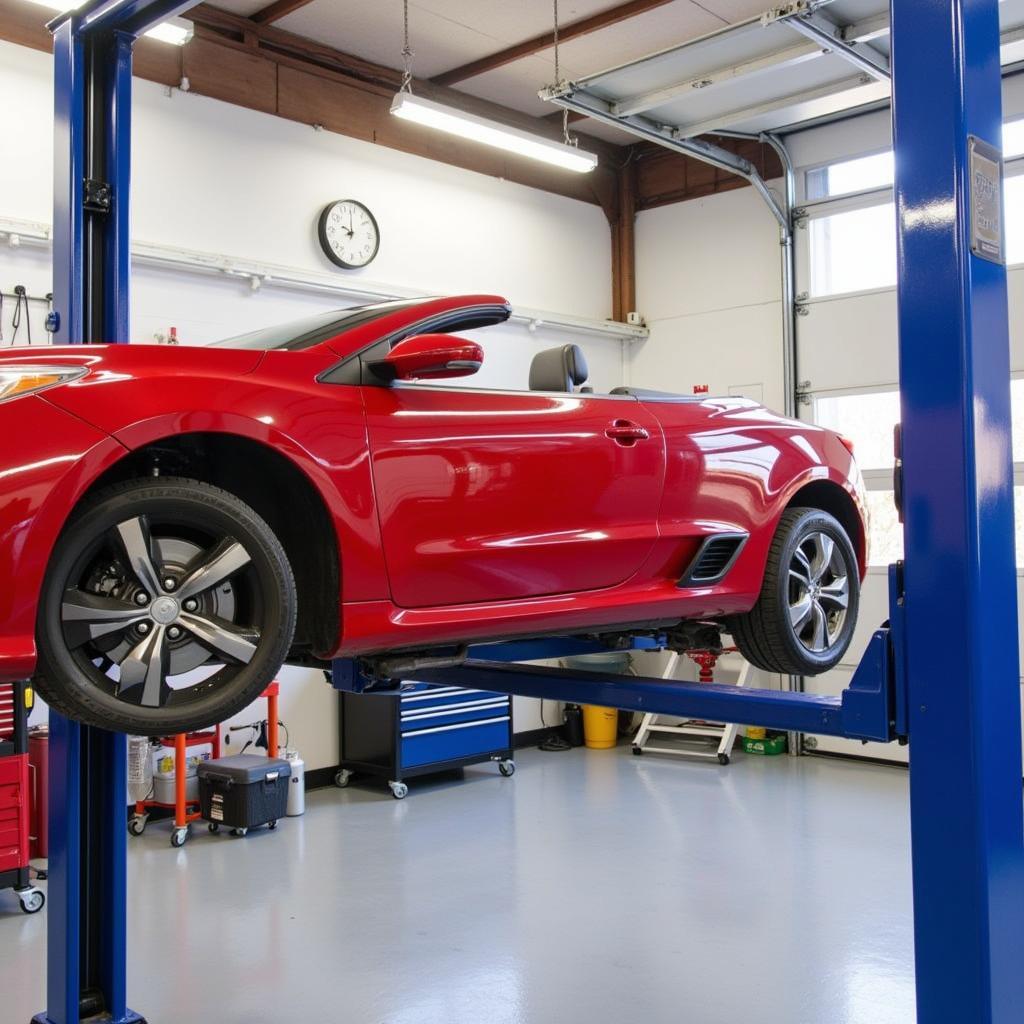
[(312, 330)]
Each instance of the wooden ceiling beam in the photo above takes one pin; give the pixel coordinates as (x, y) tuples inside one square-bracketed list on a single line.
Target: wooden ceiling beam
[(278, 10), (575, 29)]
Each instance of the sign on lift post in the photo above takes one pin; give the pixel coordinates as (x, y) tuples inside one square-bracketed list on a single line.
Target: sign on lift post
[(986, 189)]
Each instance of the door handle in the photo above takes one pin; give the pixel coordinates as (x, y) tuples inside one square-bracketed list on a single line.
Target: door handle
[(626, 433)]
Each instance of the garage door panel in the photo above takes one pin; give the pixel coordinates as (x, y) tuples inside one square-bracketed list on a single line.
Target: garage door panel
[(849, 342)]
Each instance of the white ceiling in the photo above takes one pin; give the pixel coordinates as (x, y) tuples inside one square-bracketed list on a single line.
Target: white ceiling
[(449, 33)]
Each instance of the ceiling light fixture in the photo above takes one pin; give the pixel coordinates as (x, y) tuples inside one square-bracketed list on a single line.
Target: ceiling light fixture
[(491, 133), (481, 129), (176, 31)]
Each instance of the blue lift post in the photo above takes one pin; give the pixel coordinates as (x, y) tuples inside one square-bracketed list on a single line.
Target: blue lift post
[(959, 601), (959, 700), (86, 936)]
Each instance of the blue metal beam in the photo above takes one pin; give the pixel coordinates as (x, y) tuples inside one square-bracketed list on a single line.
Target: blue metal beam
[(864, 711), (959, 601)]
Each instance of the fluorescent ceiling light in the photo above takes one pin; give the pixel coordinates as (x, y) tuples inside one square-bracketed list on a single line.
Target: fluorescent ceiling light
[(491, 133), (176, 31)]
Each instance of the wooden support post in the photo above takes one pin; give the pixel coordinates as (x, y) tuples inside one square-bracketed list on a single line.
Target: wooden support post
[(624, 244)]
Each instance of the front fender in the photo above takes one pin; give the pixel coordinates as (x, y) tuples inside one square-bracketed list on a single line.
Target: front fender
[(43, 474)]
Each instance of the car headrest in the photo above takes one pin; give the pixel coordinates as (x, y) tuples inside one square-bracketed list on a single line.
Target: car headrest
[(558, 369)]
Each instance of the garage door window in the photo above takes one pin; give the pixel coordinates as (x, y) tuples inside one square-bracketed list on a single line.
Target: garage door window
[(851, 226), (849, 176), (868, 419)]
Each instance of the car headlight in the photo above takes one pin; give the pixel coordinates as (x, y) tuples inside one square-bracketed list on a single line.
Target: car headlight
[(16, 381)]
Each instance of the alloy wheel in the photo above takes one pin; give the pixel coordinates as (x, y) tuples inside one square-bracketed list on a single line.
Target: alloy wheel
[(155, 602), (819, 592)]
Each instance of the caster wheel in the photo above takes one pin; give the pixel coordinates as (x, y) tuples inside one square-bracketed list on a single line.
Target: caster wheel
[(239, 832), (507, 768), (32, 901), (637, 751), (213, 827), (723, 758), (137, 824), (271, 825), (341, 780), (179, 837), (399, 790)]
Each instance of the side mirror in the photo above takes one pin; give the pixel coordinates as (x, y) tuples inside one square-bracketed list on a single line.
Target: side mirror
[(430, 357)]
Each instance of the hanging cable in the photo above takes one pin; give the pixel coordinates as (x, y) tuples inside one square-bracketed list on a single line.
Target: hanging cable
[(407, 54), (20, 310), (567, 137)]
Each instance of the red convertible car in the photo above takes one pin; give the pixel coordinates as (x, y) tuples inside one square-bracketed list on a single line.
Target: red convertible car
[(176, 523)]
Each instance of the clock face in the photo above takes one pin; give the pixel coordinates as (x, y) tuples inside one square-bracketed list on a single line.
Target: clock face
[(348, 234)]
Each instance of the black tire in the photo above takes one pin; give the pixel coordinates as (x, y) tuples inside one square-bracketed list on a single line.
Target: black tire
[(766, 635), (91, 560)]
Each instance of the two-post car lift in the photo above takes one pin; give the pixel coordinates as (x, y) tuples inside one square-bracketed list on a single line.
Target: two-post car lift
[(957, 701)]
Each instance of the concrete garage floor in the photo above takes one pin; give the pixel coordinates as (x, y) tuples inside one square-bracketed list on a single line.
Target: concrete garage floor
[(592, 887)]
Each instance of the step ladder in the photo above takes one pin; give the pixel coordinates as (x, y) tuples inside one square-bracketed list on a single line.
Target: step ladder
[(692, 730)]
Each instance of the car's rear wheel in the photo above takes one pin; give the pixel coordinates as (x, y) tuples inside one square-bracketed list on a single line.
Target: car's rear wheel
[(168, 605), (804, 618)]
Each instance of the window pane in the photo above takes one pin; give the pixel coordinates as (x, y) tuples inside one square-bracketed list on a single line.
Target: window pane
[(853, 251), (867, 420), (848, 176), (1013, 213), (1013, 138), (886, 532), (1017, 418), (1018, 523)]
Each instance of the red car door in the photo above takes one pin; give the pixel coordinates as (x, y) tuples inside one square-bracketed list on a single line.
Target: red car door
[(500, 495)]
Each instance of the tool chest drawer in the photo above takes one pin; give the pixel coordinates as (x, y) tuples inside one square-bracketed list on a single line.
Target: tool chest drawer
[(13, 812), (423, 697), (443, 743), (453, 713), (423, 729)]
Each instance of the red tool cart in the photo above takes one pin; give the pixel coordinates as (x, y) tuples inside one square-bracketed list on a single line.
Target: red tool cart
[(15, 702), (185, 811)]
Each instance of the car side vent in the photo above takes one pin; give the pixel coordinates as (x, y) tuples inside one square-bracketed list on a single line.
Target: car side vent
[(714, 559)]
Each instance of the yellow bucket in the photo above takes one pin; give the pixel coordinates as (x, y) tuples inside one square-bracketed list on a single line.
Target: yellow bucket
[(600, 726), (756, 732)]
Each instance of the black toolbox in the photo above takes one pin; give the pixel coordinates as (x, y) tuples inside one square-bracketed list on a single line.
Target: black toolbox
[(243, 791)]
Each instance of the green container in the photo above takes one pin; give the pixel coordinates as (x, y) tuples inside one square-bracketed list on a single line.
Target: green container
[(770, 745)]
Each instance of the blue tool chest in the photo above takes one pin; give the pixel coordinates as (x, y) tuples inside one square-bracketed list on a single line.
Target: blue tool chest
[(421, 730)]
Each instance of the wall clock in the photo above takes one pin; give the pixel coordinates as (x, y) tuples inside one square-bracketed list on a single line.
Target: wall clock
[(348, 233)]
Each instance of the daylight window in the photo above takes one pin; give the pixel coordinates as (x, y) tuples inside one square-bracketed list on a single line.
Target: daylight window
[(853, 251), (868, 420), (848, 176)]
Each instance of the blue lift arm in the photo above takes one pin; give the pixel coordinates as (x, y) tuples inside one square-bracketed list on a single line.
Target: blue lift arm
[(866, 710)]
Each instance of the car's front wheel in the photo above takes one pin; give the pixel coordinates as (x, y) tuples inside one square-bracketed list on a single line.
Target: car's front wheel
[(804, 618), (168, 606)]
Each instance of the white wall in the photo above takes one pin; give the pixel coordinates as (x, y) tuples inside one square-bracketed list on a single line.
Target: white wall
[(709, 286), (216, 178)]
